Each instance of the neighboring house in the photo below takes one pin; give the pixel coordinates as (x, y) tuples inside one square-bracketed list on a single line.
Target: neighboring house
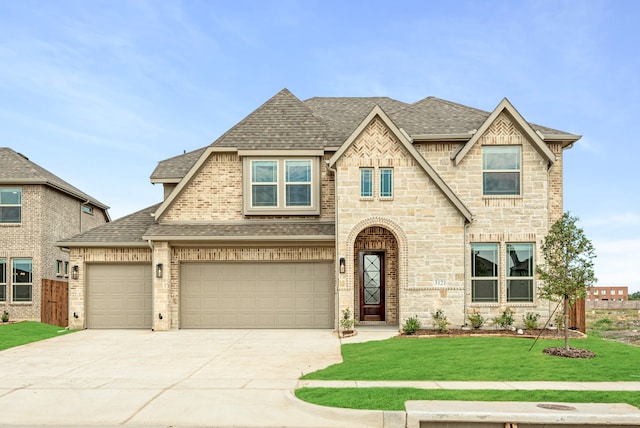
[(37, 208), (307, 208), (612, 293)]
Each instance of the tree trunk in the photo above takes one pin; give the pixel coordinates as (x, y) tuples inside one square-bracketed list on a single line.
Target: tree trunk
[(566, 322)]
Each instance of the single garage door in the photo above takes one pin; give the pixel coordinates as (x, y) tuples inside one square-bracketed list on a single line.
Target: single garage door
[(256, 295), (119, 296)]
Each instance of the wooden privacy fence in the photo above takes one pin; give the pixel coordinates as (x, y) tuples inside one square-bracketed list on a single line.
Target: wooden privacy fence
[(54, 308), (577, 316)]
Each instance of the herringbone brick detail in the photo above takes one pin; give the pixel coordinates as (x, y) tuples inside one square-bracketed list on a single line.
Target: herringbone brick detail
[(378, 144)]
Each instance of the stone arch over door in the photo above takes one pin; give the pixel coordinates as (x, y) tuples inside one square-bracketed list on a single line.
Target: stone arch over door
[(378, 236)]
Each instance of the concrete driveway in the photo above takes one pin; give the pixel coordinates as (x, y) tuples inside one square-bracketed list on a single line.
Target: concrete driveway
[(178, 378)]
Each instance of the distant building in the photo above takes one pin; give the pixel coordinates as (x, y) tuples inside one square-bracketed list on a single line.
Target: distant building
[(617, 293)]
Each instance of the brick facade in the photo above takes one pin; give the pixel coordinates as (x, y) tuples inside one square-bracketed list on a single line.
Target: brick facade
[(48, 216)]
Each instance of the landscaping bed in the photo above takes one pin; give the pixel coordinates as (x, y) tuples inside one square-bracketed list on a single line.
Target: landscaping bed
[(453, 332)]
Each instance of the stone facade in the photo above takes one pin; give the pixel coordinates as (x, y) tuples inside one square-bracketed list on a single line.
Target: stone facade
[(48, 216)]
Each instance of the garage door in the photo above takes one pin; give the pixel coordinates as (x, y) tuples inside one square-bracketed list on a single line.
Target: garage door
[(256, 295), (119, 296)]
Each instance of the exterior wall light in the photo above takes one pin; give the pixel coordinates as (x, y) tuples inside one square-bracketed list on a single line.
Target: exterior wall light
[(74, 272), (159, 270), (343, 265)]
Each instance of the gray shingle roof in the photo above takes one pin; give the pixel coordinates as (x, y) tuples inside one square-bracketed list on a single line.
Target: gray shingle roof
[(127, 230), (285, 122), (16, 168), (176, 167), (248, 229)]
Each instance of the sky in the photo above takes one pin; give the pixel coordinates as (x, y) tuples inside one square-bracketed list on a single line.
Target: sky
[(98, 92)]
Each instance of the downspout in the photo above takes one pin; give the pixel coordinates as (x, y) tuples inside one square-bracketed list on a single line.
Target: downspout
[(336, 256), (466, 273)]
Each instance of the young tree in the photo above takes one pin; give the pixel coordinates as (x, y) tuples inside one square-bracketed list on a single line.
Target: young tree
[(568, 266)]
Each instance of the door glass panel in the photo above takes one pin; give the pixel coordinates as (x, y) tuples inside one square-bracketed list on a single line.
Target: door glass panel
[(372, 279)]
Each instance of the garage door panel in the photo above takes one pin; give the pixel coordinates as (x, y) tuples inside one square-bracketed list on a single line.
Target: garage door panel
[(119, 295), (256, 295)]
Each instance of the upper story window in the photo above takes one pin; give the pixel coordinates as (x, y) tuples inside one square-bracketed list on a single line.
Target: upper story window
[(386, 182), (10, 205), (281, 186), (366, 182), (87, 209), (501, 170)]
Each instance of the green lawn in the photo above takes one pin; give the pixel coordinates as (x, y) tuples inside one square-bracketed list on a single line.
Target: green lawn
[(483, 359), (26, 332), (394, 398), (473, 358)]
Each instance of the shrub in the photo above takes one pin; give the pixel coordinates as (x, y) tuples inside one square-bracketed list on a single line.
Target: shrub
[(559, 319), (476, 319), (347, 321), (531, 320), (5, 316), (603, 324), (411, 325), (440, 321), (505, 320)]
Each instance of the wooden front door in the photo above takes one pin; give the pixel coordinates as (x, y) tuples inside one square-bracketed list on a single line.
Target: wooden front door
[(371, 269)]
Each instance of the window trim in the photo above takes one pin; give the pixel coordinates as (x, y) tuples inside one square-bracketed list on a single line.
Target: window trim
[(381, 172), (281, 187), (530, 277), (369, 194), (15, 283), (518, 170), (3, 280), (19, 206), (495, 278)]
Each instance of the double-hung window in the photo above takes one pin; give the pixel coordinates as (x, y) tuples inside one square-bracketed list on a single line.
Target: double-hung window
[(520, 269), (484, 272), (10, 204), (21, 272), (3, 280), (501, 170), (281, 186)]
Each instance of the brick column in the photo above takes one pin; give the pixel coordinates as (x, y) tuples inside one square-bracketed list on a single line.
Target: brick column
[(161, 286)]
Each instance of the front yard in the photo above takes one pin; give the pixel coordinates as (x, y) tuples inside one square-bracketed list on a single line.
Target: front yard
[(21, 333), (473, 358)]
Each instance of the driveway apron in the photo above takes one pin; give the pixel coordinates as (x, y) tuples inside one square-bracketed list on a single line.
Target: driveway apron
[(179, 378)]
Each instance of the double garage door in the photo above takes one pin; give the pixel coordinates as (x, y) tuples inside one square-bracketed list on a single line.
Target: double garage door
[(216, 295), (256, 295)]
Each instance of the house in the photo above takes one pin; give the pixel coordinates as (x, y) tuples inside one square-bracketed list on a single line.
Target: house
[(37, 209), (618, 293), (307, 208)]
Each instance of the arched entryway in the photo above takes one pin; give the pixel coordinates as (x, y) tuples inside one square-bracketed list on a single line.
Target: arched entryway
[(375, 258)]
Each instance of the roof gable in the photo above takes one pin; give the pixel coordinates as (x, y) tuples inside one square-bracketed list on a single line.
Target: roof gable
[(18, 169), (506, 107), (405, 141), (283, 122)]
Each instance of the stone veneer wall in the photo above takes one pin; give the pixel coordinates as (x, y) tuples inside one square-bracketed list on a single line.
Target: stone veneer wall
[(376, 238), (82, 256), (428, 229), (186, 254)]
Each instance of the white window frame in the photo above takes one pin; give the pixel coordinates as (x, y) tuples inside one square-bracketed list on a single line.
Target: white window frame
[(281, 207), (366, 171), (3, 279), (16, 283), (59, 267), (510, 266), (490, 246), (7, 205), (381, 173), (486, 150)]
